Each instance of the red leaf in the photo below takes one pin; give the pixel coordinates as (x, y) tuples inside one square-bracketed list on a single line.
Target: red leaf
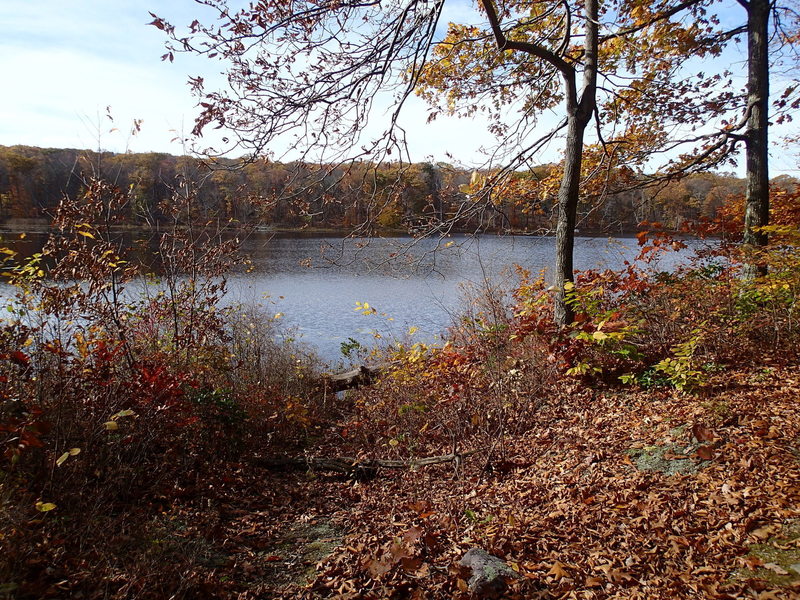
[(20, 358)]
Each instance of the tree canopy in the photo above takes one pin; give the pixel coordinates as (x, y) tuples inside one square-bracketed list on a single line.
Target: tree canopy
[(308, 75)]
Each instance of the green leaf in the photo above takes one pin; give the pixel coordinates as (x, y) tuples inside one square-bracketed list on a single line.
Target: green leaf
[(44, 506)]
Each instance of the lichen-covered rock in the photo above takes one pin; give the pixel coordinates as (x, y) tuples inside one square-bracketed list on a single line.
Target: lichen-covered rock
[(489, 575)]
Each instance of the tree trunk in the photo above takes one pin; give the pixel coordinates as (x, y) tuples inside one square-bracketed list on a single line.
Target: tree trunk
[(579, 113), (568, 195), (757, 196)]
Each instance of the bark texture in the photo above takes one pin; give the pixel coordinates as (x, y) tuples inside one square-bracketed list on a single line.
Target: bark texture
[(579, 112), (757, 195)]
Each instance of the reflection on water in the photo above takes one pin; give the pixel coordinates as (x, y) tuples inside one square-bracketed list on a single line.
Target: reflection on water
[(415, 283)]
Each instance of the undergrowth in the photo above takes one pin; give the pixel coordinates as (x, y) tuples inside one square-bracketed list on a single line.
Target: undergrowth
[(123, 394), (120, 391)]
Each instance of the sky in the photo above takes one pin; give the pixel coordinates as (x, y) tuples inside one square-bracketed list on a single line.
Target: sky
[(68, 65)]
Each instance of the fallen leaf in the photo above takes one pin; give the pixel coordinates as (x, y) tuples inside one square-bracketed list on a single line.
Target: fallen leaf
[(558, 570), (702, 433), (705, 452), (776, 568)]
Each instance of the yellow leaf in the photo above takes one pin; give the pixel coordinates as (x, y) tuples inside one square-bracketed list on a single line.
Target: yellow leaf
[(86, 234), (74, 451), (62, 458), (111, 425), (44, 506), (599, 336), (393, 442)]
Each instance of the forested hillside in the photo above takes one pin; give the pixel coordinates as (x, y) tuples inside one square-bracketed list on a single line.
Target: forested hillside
[(389, 196)]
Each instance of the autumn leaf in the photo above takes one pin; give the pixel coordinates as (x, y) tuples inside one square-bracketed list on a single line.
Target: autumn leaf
[(776, 568), (705, 452), (558, 570), (702, 433), (377, 568)]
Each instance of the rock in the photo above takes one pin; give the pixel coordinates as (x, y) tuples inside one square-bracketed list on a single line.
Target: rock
[(489, 574)]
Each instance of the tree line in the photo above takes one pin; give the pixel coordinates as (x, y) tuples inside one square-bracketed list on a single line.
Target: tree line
[(389, 196)]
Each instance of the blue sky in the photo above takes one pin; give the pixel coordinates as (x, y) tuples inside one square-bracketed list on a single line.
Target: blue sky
[(64, 62)]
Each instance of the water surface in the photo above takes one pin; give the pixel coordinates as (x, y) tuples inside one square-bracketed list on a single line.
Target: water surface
[(315, 282)]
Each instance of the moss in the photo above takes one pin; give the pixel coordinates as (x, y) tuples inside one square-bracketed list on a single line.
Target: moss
[(302, 546), (654, 459), (782, 551)]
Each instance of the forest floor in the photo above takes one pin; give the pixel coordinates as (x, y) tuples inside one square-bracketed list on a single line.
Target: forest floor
[(615, 493)]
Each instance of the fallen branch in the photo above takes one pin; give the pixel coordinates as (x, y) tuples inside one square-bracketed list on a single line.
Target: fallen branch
[(362, 468)]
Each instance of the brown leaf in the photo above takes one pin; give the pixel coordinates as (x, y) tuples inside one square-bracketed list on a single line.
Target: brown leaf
[(763, 533), (412, 535), (377, 568), (776, 568), (705, 452), (558, 570), (702, 433), (398, 552), (410, 564)]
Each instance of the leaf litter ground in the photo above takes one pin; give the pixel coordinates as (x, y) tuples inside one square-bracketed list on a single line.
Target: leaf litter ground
[(713, 511)]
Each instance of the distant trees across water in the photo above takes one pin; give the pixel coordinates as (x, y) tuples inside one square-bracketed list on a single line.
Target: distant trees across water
[(390, 196)]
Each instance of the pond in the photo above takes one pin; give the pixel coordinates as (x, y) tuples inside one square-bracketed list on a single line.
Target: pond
[(316, 281)]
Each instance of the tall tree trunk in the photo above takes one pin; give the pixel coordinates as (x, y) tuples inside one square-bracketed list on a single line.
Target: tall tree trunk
[(757, 196), (579, 113), (568, 195)]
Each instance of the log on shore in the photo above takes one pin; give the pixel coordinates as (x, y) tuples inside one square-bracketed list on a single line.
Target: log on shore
[(349, 380)]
